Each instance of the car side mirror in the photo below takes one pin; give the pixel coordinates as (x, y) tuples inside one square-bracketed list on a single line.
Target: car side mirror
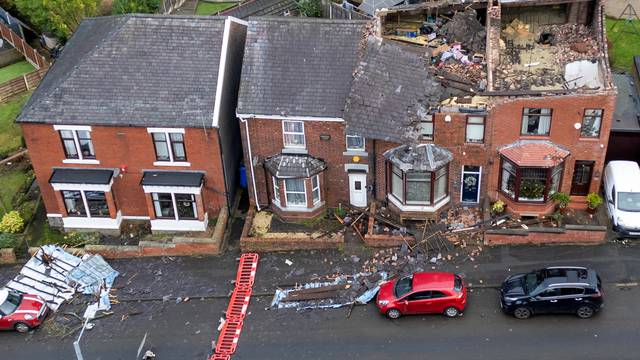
[(405, 302)]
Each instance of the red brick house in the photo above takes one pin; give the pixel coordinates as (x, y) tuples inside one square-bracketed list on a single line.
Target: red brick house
[(136, 120), (421, 137)]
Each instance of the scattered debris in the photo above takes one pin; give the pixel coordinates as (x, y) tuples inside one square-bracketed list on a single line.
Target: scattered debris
[(288, 262)]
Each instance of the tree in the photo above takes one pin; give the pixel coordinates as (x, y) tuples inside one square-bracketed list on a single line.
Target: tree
[(58, 17), (135, 6), (309, 8)]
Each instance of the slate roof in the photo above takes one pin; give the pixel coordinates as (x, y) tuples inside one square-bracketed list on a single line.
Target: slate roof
[(284, 166), (81, 176), (172, 178), (626, 117), (534, 153), (422, 157), (298, 66), (261, 8), (391, 93), (140, 70)]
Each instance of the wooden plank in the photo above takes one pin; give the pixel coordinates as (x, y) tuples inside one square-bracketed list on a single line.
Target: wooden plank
[(312, 296)]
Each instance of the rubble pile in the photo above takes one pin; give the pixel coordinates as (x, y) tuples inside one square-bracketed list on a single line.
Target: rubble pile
[(572, 42), (465, 28)]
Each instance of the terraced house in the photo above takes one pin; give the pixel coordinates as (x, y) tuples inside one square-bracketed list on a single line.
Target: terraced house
[(136, 121), (507, 101)]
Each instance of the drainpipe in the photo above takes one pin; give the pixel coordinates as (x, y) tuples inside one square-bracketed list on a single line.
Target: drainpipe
[(253, 178)]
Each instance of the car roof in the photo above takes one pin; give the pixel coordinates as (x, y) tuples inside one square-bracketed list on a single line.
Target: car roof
[(570, 275), (626, 175), (432, 281), (4, 293)]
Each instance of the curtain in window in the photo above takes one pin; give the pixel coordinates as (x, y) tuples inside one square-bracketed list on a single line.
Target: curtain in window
[(396, 182), (442, 181), (163, 205), (508, 185), (162, 148), (177, 145), (186, 205), (295, 192), (475, 129), (86, 146)]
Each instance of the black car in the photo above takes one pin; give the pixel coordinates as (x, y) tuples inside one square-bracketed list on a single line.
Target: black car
[(574, 290)]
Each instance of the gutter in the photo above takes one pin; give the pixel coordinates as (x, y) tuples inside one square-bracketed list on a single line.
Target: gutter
[(253, 178)]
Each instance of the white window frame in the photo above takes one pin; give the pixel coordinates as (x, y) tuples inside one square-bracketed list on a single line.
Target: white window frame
[(286, 196), (355, 148), (462, 173), (474, 124), (167, 132), (86, 203), (317, 178), (175, 206), (74, 130), (284, 133), (276, 189)]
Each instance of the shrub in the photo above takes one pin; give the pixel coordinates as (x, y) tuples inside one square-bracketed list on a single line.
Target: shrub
[(72, 238), (12, 223), (8, 241), (135, 6), (594, 200), (309, 8), (563, 199), (27, 209), (497, 207)]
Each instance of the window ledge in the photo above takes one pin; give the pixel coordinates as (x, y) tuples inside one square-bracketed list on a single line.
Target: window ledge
[(298, 208), (589, 138), (83, 222), (171, 163), (355, 153), (418, 208), (81, 161), (292, 150), (179, 225)]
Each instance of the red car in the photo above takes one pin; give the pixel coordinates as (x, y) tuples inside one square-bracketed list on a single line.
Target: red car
[(21, 312), (423, 293)]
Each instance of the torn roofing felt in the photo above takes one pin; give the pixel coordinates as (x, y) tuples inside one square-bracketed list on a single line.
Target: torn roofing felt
[(140, 70), (423, 157), (391, 92), (284, 166), (298, 66)]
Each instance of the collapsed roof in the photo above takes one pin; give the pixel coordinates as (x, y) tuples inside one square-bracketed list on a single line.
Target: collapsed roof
[(423, 157), (391, 93)]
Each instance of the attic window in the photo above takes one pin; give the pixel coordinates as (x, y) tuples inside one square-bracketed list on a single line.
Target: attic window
[(426, 128)]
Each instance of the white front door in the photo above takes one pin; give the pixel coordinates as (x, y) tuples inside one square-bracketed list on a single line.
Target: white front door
[(358, 189)]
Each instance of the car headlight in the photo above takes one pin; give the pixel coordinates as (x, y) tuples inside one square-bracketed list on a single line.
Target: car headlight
[(28, 317), (510, 299), (619, 220), (383, 302)]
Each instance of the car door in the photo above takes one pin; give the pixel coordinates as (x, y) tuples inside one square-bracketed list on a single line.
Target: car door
[(418, 302), (545, 302), (4, 322), (570, 299), (439, 302)]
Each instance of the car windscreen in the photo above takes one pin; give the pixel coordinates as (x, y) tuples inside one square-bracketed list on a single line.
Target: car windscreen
[(628, 201), (10, 305), (531, 281), (457, 283), (403, 286)]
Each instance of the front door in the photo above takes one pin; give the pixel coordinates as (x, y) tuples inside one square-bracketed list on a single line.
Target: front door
[(470, 192), (581, 177), (358, 189)]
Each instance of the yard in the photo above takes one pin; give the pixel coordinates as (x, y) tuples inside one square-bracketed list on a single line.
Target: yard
[(212, 8), (625, 43), (14, 70), (10, 135)]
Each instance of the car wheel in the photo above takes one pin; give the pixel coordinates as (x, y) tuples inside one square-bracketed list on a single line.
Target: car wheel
[(522, 313), (451, 312), (21, 327), (394, 313), (585, 312)]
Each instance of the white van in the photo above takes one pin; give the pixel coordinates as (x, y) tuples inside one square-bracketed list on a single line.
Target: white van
[(622, 196)]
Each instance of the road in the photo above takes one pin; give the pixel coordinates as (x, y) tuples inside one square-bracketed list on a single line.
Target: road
[(484, 332)]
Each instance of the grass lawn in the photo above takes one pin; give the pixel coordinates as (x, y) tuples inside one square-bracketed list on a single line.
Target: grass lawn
[(208, 8), (14, 70), (10, 134), (12, 182), (624, 44)]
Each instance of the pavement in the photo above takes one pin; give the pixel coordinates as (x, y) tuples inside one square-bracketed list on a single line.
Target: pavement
[(152, 293)]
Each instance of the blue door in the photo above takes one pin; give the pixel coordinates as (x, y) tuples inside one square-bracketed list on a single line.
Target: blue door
[(470, 184)]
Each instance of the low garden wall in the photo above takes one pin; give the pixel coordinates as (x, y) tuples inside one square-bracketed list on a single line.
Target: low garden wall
[(569, 234), (286, 241)]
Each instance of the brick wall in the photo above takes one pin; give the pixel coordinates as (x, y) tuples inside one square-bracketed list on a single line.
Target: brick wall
[(583, 237), (568, 110), (133, 147), (267, 140)]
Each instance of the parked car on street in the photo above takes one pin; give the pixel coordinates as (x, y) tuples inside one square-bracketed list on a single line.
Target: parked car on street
[(622, 196), (21, 312), (574, 290), (423, 293)]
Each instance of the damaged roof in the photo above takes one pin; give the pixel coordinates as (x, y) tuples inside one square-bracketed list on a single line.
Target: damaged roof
[(284, 166), (140, 70), (422, 157), (391, 93), (261, 8), (298, 66)]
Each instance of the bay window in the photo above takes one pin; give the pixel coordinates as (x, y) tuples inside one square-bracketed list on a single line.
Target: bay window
[(84, 203), (315, 189), (418, 187), (174, 206), (276, 189), (529, 184), (536, 121)]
